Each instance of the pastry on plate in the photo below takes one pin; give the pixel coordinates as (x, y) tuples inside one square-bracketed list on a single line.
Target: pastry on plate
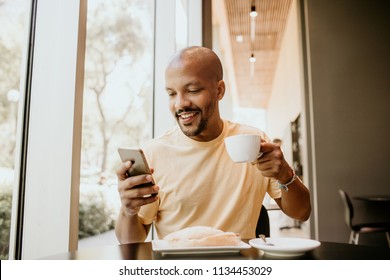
[(199, 236)]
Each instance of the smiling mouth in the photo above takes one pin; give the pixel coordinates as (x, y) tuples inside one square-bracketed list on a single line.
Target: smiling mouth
[(187, 117)]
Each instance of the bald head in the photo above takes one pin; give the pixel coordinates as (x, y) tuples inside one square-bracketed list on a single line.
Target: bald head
[(204, 59)]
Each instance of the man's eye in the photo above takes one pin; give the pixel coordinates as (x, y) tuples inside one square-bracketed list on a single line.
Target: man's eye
[(193, 90), (170, 93)]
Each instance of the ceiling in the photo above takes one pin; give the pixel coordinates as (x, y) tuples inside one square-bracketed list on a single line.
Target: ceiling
[(254, 90)]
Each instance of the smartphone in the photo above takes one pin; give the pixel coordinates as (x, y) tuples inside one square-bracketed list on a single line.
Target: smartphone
[(140, 165)]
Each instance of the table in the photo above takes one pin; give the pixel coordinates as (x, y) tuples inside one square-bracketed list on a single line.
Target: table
[(143, 251)]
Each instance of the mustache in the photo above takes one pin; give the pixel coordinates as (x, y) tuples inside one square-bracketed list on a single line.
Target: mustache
[(186, 110)]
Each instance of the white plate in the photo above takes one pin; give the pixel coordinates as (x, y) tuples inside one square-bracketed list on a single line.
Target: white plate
[(285, 246), (164, 247)]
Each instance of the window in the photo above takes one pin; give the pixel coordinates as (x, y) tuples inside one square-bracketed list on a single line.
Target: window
[(117, 105), (13, 20), (50, 128), (181, 24)]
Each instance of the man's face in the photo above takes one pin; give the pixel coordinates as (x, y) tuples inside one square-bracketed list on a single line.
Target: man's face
[(193, 100)]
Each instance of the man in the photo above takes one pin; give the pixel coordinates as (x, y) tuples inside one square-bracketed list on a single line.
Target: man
[(198, 184)]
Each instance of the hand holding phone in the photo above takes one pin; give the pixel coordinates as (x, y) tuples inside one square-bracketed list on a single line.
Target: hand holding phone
[(139, 164)]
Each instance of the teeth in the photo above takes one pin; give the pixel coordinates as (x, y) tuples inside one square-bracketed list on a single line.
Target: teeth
[(186, 115)]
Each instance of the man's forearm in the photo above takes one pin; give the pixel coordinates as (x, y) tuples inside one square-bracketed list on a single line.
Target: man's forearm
[(296, 201), (129, 229)]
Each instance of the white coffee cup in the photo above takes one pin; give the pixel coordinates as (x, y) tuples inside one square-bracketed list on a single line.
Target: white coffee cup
[(243, 147)]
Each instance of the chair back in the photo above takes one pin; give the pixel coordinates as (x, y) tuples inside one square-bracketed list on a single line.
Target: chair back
[(348, 207), (263, 225)]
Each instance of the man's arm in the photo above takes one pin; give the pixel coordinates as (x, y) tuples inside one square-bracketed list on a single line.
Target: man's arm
[(128, 227), (295, 202)]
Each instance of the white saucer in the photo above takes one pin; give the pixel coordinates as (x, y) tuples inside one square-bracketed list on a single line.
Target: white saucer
[(285, 246)]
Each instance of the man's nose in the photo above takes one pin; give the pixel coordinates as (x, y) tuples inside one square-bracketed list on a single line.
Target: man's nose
[(182, 101)]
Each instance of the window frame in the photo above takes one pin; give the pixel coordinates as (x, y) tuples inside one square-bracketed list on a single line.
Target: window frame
[(45, 199)]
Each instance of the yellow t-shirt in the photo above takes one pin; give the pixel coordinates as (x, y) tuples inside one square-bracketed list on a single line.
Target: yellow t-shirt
[(201, 186)]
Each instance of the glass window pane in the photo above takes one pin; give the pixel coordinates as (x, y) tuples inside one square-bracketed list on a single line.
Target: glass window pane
[(13, 20), (181, 26), (118, 106)]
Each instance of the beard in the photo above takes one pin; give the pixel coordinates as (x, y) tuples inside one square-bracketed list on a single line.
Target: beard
[(194, 128), (190, 131)]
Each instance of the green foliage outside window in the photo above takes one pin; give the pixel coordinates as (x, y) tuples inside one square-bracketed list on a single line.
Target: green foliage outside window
[(94, 216), (5, 222)]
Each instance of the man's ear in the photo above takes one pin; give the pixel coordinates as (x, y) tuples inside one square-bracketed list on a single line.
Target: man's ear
[(221, 89)]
